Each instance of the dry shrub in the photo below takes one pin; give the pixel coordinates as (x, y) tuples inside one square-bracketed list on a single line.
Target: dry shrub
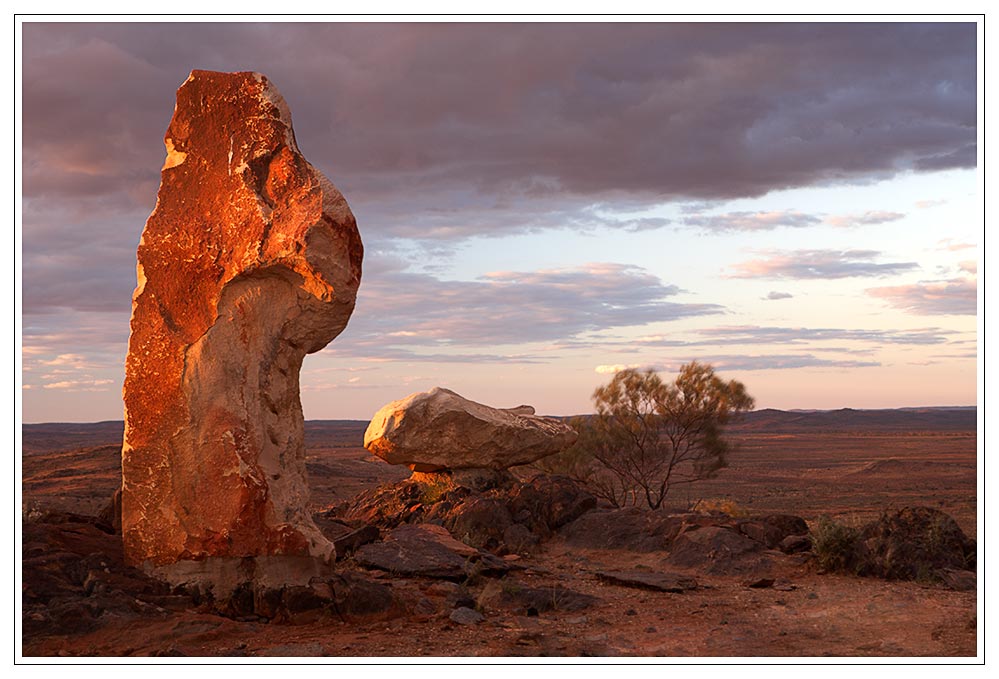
[(721, 506), (833, 544)]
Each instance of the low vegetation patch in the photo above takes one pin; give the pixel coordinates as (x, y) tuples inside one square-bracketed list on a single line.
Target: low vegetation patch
[(913, 543)]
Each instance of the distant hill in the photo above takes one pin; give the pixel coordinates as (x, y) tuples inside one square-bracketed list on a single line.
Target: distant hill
[(56, 436), (850, 420)]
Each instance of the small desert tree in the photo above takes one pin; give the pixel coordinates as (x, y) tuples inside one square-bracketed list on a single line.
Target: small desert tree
[(652, 436)]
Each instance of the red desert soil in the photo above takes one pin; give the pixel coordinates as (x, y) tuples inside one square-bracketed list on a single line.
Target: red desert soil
[(849, 474)]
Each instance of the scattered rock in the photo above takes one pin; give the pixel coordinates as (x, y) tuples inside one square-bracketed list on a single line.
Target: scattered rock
[(428, 551), (546, 503), (532, 601), (795, 544), (76, 580), (348, 544), (466, 616), (632, 529), (250, 260), (518, 538), (480, 522), (772, 530), (659, 582), (719, 551), (439, 429), (510, 518), (761, 583), (356, 598), (958, 580)]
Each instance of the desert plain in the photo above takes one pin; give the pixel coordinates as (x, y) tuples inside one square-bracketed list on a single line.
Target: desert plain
[(557, 598)]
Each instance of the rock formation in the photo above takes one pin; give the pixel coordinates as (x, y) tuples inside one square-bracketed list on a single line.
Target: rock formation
[(250, 260), (439, 430)]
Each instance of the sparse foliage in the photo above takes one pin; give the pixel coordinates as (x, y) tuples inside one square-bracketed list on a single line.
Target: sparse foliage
[(649, 436), (833, 543)]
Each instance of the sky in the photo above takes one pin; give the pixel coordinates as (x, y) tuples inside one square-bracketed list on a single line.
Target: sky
[(797, 204)]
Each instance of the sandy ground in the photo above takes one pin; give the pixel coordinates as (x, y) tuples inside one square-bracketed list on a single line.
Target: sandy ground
[(805, 613)]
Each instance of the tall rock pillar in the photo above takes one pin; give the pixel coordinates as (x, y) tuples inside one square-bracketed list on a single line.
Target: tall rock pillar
[(250, 260)]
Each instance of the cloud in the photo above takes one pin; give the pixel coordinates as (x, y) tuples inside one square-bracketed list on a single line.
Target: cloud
[(956, 296), (753, 334), (865, 219), (659, 110), (951, 245), (616, 368), (405, 309), (924, 204), (968, 266), (746, 362), (818, 264), (752, 221), (79, 385), (776, 335), (773, 362), (774, 294)]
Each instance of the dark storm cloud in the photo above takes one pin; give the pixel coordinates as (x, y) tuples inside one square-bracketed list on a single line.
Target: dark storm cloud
[(447, 131), (818, 264), (664, 111)]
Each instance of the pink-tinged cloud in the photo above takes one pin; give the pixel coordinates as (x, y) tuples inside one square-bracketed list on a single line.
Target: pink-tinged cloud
[(924, 204), (746, 362), (957, 296), (968, 266), (951, 245), (611, 369), (818, 264), (865, 218), (79, 385)]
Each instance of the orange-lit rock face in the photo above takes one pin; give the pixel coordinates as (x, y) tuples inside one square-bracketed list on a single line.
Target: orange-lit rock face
[(440, 430), (250, 260)]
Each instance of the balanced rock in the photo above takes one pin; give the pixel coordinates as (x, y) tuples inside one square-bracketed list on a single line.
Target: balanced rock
[(438, 429), (250, 260)]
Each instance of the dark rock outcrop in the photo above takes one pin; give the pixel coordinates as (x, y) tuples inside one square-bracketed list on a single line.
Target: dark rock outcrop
[(913, 543), (511, 518)]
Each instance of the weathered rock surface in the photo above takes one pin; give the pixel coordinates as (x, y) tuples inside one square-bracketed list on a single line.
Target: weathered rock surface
[(502, 520), (466, 616), (716, 550), (512, 595), (910, 544), (428, 551), (658, 582), (439, 429), (250, 260), (774, 529)]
